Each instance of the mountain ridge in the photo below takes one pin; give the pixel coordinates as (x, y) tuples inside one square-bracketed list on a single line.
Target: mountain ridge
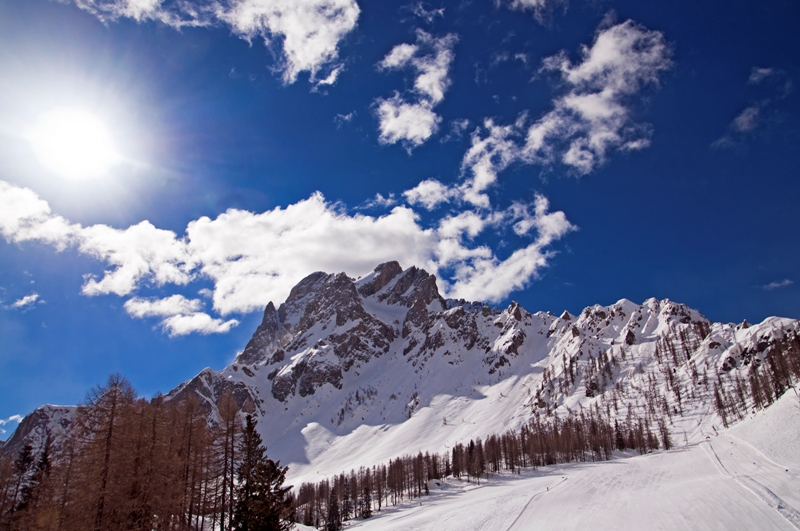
[(386, 365)]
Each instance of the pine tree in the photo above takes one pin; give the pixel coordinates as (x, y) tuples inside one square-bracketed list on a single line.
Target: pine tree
[(366, 512), (619, 440), (262, 503), (22, 467), (334, 520)]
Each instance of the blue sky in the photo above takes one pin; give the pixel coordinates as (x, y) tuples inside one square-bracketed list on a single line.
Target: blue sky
[(167, 168)]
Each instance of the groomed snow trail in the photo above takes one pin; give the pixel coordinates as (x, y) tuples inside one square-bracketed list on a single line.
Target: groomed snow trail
[(681, 489), (776, 485)]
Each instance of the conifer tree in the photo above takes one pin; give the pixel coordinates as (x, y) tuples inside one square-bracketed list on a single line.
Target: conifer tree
[(334, 520), (366, 511), (619, 440), (22, 466), (263, 503)]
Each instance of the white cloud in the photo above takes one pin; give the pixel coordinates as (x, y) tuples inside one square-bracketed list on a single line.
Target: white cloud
[(201, 323), (181, 316), (380, 201), (428, 15), (587, 122), (330, 79), (174, 305), (25, 217), (776, 285), (489, 278), (399, 57), (433, 68), (430, 193), (308, 32), (25, 302), (592, 118), (139, 252), (12, 418), (412, 121), (254, 258), (466, 224), (541, 9), (487, 156), (741, 126), (759, 113)]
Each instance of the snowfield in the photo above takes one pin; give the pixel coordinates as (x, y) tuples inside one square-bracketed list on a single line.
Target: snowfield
[(727, 482)]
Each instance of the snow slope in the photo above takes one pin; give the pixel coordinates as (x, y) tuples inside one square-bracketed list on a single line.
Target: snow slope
[(775, 431), (348, 373), (723, 483)]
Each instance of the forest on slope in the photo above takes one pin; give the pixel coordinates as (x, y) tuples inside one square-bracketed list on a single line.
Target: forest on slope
[(132, 463)]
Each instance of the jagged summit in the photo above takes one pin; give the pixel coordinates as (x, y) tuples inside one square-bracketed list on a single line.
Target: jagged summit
[(386, 363), (335, 302), (382, 359)]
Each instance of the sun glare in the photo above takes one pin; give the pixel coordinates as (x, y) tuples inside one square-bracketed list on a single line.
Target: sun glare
[(73, 144)]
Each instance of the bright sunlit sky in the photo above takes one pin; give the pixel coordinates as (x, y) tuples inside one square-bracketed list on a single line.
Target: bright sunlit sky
[(167, 168)]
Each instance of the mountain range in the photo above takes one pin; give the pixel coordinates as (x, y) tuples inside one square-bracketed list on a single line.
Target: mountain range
[(350, 372)]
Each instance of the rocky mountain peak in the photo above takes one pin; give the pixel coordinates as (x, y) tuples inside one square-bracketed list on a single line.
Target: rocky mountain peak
[(267, 334), (341, 356), (383, 360), (379, 278), (413, 286)]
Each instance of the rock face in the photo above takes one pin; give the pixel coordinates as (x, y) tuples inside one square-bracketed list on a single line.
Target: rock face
[(45, 421), (332, 326), (386, 363)]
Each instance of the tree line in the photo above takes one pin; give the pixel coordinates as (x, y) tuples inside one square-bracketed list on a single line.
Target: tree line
[(614, 421), (757, 384), (587, 435), (133, 464)]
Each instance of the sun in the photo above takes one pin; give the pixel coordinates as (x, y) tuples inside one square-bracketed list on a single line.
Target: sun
[(73, 144)]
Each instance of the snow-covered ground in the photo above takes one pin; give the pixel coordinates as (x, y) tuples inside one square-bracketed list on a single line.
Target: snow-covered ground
[(775, 431), (746, 478)]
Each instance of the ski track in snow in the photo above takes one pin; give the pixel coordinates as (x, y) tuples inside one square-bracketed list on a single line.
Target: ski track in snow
[(723, 483), (770, 482), (680, 489)]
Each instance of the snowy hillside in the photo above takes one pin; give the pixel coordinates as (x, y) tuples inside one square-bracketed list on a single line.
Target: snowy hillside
[(723, 483), (352, 372)]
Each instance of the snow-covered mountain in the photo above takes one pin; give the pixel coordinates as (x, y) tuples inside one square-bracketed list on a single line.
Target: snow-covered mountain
[(54, 421), (350, 372), (353, 372)]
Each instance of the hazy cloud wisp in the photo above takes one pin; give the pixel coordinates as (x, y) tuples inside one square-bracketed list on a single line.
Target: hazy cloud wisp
[(785, 283), (307, 32)]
